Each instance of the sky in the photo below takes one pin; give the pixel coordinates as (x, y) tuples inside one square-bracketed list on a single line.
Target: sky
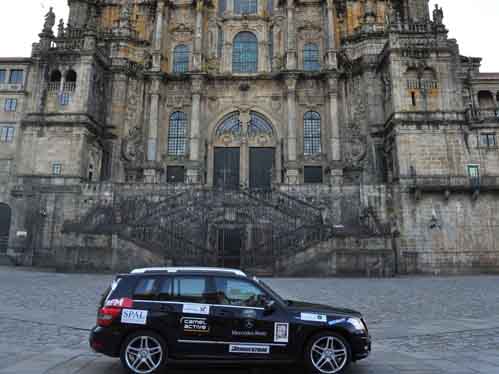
[(472, 23)]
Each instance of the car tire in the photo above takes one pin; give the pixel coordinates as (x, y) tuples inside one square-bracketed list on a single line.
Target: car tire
[(327, 353), (144, 352)]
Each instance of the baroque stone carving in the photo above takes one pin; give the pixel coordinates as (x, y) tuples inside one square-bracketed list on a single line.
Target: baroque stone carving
[(131, 147)]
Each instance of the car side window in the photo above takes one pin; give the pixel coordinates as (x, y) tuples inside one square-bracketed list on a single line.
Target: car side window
[(146, 289), (238, 292), (190, 289), (165, 289)]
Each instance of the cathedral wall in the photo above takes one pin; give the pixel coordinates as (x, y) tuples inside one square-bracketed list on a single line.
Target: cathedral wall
[(458, 235), (444, 150)]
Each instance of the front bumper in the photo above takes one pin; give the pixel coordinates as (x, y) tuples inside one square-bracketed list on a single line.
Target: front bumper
[(361, 347), (106, 341)]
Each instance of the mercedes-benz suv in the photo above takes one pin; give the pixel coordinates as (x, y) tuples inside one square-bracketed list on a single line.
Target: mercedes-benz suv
[(155, 317)]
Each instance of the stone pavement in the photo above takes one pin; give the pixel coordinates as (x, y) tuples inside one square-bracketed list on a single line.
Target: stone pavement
[(419, 325)]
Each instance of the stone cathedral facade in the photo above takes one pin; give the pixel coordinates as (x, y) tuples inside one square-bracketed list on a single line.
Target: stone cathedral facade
[(281, 136)]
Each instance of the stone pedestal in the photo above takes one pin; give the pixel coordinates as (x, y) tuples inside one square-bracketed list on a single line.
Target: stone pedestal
[(151, 176), (336, 177)]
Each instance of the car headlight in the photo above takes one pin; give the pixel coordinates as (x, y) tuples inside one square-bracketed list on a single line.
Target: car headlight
[(357, 324)]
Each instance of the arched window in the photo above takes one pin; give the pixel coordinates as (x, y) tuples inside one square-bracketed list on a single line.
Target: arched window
[(485, 100), (245, 6), (311, 133), (177, 133), (245, 53), (181, 58), (311, 57), (258, 125), (55, 76), (70, 81), (71, 76)]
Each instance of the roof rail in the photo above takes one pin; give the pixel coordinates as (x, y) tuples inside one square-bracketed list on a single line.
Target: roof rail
[(187, 269)]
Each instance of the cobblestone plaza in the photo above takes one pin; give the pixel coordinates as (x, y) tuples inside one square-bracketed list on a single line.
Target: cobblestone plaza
[(419, 325)]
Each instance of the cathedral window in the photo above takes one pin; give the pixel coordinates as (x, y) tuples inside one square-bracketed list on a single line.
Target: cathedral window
[(177, 133), (488, 141), (56, 168), (181, 58), (64, 99), (312, 174), (311, 133), (245, 53), (311, 57), (245, 6), (222, 6), (10, 105), (16, 76), (70, 81), (6, 134), (55, 80)]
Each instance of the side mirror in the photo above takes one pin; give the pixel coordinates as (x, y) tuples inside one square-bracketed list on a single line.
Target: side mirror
[(269, 307)]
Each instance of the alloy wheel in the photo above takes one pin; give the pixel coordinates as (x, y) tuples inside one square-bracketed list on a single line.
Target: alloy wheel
[(144, 354), (329, 355)]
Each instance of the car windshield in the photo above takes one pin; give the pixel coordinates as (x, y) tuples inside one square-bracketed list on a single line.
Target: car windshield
[(271, 292)]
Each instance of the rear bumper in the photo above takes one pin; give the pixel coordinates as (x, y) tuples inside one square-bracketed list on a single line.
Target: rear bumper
[(105, 340), (361, 347)]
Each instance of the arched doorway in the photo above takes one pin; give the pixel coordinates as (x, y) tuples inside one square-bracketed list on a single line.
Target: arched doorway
[(5, 217), (244, 152)]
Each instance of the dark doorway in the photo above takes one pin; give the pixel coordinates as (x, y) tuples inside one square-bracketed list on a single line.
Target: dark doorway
[(226, 173), (229, 248), (261, 168), (5, 215)]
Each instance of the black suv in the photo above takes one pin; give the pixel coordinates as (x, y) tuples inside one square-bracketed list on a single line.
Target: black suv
[(154, 317)]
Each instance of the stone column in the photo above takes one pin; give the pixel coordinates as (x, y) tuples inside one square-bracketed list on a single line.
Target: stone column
[(227, 57), (245, 119), (333, 118), (193, 172), (331, 62), (198, 37), (158, 31), (335, 148), (292, 166), (291, 37), (152, 133)]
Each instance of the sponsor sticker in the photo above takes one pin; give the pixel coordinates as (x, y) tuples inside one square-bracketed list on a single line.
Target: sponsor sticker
[(281, 332), (249, 333), (313, 317), (135, 316), (196, 309), (258, 349), (195, 324)]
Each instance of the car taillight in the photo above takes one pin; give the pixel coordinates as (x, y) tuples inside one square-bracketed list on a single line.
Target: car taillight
[(111, 310)]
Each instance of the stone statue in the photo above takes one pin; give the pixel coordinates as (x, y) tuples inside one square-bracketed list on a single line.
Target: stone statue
[(438, 15), (60, 29), (49, 21)]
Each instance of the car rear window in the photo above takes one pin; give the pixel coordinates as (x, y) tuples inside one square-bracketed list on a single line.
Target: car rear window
[(121, 287)]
